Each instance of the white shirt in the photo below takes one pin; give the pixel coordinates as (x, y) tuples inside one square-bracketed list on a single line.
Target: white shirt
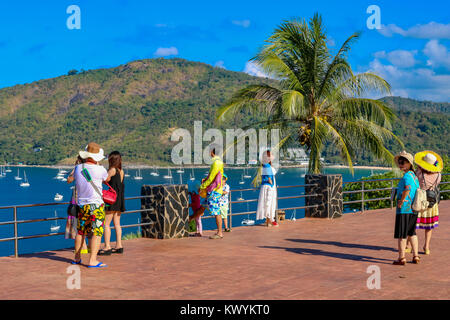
[(86, 193)]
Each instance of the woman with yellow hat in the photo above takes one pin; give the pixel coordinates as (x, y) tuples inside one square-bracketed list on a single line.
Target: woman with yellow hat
[(428, 172)]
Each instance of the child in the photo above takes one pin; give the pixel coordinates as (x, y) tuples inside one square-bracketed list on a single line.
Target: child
[(196, 206), (223, 202)]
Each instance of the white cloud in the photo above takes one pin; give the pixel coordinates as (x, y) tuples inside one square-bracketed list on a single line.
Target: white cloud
[(164, 52), (241, 23), (220, 64), (254, 70), (432, 30), (420, 83), (438, 55), (399, 58)]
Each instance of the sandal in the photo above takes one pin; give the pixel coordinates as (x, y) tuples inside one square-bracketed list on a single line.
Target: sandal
[(400, 262), (99, 265), (104, 252), (216, 236), (416, 260), (227, 230), (426, 251), (115, 250)]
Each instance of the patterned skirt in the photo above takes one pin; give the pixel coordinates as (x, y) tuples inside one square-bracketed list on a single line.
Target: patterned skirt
[(91, 218), (213, 199), (428, 219)]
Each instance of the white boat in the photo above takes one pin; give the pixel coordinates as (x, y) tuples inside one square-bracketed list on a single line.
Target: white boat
[(248, 222), (55, 227), (2, 172), (180, 170), (126, 174), (242, 180), (8, 169), (18, 177), (191, 177), (304, 173), (155, 173), (240, 198), (168, 175), (25, 183), (246, 175), (138, 175), (294, 215), (58, 197)]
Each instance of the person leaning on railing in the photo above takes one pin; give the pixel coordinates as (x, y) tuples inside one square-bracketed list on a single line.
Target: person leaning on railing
[(406, 218)]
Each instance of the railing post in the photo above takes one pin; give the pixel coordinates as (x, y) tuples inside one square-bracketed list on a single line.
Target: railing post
[(362, 196), (392, 200), (231, 212), (16, 242)]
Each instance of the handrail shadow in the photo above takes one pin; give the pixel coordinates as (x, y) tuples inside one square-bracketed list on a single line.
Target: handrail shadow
[(337, 255), (344, 245)]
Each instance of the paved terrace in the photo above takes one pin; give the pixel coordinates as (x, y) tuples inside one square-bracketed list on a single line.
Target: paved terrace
[(306, 259)]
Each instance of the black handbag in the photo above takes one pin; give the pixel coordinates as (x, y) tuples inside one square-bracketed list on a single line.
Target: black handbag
[(433, 194), (72, 209)]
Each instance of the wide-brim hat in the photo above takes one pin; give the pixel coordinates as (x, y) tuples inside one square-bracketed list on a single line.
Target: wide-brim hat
[(406, 155), (93, 151), (429, 160)]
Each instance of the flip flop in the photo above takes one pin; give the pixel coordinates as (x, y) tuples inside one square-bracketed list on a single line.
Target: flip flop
[(99, 265), (216, 236), (76, 262)]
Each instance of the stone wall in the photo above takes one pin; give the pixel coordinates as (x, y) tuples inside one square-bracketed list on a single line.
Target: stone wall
[(169, 205), (329, 195)]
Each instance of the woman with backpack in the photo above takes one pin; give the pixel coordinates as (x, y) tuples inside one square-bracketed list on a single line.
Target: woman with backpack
[(428, 173), (406, 218)]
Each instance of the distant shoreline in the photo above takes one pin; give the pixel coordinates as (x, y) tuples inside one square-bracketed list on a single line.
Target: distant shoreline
[(137, 166)]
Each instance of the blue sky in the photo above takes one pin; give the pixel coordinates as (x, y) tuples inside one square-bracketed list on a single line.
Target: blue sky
[(411, 50)]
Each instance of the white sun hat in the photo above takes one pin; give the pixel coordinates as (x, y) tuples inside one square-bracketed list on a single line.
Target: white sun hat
[(93, 151)]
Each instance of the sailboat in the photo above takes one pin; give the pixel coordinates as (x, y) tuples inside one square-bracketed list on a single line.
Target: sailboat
[(138, 175), (246, 175), (126, 174), (168, 175), (242, 180), (304, 172), (248, 221), (55, 227), (240, 198), (180, 170), (192, 176), (25, 183), (18, 177), (8, 169), (58, 197), (155, 172)]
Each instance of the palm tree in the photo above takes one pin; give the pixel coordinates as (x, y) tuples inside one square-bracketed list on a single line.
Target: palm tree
[(318, 98)]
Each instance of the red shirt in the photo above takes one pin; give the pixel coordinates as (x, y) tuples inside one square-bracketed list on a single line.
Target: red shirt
[(195, 201)]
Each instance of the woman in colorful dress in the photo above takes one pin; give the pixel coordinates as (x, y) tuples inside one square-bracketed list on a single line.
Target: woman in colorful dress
[(405, 218), (267, 201), (428, 173)]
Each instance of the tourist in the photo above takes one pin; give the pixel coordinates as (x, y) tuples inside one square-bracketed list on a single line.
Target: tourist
[(405, 218), (428, 173), (267, 201), (88, 178), (114, 211), (223, 202), (71, 226), (197, 208), (213, 185)]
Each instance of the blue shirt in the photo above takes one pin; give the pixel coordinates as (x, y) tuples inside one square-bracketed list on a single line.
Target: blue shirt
[(267, 172), (411, 183)]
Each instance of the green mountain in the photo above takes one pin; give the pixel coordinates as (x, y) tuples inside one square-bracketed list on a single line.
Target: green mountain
[(134, 108)]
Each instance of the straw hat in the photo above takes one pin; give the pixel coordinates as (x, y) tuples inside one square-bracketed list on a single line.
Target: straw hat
[(429, 161), (406, 155), (93, 151)]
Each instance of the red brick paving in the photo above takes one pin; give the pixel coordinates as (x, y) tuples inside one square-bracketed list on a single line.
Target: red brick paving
[(306, 259)]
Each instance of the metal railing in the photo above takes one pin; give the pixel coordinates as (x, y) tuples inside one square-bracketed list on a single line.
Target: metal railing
[(16, 222), (363, 191), (231, 202)]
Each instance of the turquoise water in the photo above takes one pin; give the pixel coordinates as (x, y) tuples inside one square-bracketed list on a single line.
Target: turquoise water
[(44, 186)]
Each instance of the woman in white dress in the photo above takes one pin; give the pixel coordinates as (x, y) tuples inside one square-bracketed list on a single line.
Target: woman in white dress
[(267, 201)]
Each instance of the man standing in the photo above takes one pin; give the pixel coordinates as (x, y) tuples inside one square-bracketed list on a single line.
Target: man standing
[(213, 184), (89, 177)]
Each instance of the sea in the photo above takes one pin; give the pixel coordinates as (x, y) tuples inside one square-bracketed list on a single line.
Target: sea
[(44, 186)]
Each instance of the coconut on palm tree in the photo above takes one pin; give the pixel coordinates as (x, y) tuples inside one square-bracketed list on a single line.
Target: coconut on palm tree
[(318, 99)]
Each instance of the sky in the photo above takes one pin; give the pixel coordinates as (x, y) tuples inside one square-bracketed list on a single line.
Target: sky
[(411, 49)]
